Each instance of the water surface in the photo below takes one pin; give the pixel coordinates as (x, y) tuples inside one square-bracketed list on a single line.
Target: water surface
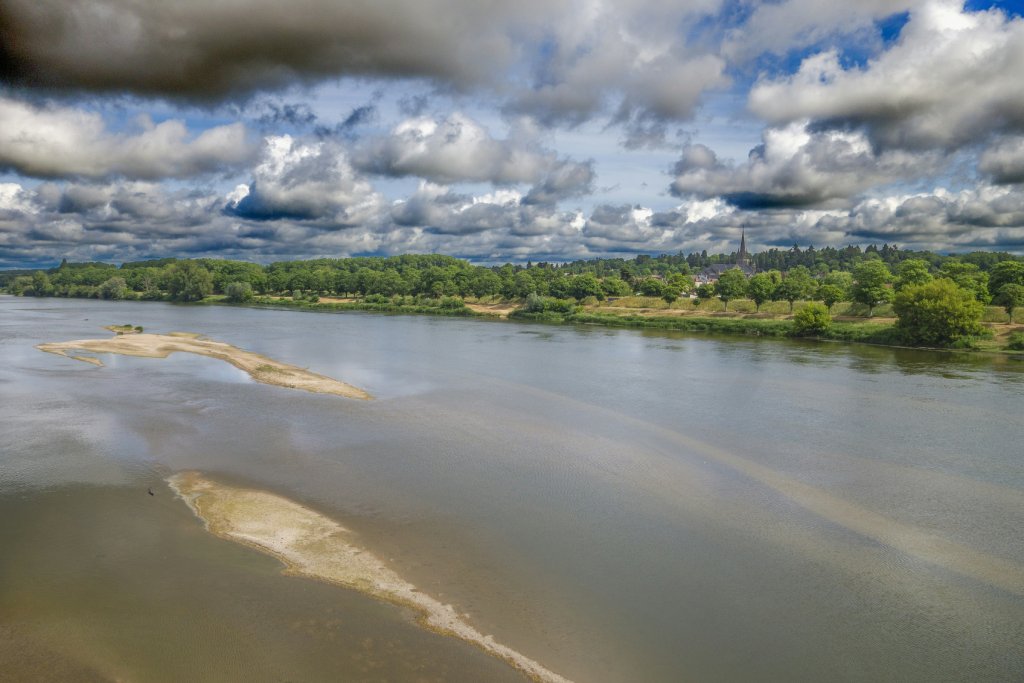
[(618, 505)]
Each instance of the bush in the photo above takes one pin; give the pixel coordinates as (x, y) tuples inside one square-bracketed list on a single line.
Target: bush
[(812, 319), (238, 292), (1016, 341), (114, 288), (937, 313), (450, 303)]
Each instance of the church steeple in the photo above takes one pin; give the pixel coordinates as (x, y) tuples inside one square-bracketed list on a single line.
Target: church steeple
[(741, 258)]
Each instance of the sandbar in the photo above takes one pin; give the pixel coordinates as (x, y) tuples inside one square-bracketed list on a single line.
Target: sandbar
[(260, 368), (314, 546)]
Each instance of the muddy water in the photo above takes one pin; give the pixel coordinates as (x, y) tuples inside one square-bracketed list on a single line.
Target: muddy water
[(615, 505)]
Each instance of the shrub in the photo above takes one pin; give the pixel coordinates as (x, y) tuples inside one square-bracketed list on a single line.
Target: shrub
[(238, 292), (811, 320), (937, 313), (1016, 341)]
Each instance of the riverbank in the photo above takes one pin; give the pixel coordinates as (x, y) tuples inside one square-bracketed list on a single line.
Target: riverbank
[(262, 369)]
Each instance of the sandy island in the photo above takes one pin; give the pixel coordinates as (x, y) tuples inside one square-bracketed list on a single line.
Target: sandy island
[(314, 546), (260, 368)]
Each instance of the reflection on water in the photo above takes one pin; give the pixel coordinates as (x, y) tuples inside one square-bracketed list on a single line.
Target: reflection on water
[(617, 505)]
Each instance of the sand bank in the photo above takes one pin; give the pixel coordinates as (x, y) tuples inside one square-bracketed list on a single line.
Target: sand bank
[(260, 368), (312, 545)]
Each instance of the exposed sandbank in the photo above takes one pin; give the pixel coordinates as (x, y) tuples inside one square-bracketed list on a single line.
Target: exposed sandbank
[(260, 368), (312, 545)]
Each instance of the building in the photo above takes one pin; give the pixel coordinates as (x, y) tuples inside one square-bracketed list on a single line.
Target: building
[(710, 274)]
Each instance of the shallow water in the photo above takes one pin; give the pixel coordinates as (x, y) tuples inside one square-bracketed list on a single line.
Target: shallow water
[(617, 505)]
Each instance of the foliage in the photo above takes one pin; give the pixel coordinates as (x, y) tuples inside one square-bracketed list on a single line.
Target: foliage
[(238, 292), (870, 286), (937, 313), (1010, 297), (761, 288), (812, 319), (912, 272), (967, 276), (732, 284), (830, 294), (114, 288), (797, 284), (651, 287), (1015, 342), (188, 281)]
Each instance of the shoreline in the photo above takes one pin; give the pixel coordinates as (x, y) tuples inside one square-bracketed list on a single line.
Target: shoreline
[(260, 368), (312, 545)]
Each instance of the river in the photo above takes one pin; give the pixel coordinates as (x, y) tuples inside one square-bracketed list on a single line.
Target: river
[(617, 505)]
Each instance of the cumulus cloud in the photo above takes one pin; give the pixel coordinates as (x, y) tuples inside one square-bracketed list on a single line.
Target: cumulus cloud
[(951, 79), (458, 149), (53, 142), (983, 217), (311, 181), (795, 166), (793, 24)]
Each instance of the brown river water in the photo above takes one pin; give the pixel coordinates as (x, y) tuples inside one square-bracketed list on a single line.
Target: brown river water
[(615, 505)]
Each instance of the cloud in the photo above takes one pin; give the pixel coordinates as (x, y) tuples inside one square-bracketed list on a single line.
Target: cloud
[(458, 149), (561, 62), (1004, 161), (306, 181), (210, 51), (793, 24), (796, 167), (51, 142), (951, 80)]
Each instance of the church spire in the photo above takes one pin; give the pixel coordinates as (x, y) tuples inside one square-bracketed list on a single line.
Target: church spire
[(741, 258)]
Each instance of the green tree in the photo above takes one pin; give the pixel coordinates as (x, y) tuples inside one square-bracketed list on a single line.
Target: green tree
[(732, 284), (811, 320), (1005, 273), (651, 287), (870, 286), (188, 281), (830, 294), (797, 284), (41, 285), (114, 288), (761, 288), (705, 291), (585, 285), (912, 272), (238, 292), (967, 276), (616, 286), (1010, 297), (937, 313)]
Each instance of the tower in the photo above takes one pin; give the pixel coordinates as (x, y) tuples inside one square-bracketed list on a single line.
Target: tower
[(741, 258)]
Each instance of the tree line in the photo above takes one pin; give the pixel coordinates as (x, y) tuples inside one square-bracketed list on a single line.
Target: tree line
[(908, 280)]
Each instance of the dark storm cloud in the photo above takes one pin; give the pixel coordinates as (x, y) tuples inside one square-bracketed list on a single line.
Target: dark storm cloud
[(206, 51), (1004, 161), (562, 63)]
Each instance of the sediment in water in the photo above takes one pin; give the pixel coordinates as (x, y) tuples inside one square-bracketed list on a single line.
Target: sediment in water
[(312, 545), (260, 368)]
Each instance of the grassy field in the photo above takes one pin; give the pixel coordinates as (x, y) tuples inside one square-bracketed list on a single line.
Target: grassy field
[(850, 320)]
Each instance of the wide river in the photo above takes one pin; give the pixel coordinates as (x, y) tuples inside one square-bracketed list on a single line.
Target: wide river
[(617, 505)]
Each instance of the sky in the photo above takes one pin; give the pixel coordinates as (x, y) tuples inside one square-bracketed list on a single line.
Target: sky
[(544, 130)]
